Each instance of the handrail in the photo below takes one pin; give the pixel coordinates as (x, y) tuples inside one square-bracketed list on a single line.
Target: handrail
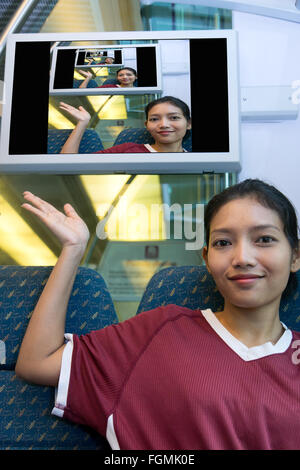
[(17, 21)]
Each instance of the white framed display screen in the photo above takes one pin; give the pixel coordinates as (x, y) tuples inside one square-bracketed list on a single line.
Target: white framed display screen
[(70, 65), (87, 70)]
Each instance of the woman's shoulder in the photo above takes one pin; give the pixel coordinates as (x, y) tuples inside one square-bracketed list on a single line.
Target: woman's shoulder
[(296, 335), (126, 147)]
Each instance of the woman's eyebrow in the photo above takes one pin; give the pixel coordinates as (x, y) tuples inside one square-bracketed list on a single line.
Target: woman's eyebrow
[(168, 114), (266, 226), (254, 228)]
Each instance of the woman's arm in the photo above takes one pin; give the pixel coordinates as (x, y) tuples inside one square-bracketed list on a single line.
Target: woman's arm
[(40, 355), (88, 76), (83, 118)]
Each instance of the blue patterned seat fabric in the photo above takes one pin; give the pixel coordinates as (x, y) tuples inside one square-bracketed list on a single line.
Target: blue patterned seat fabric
[(90, 141), (142, 136), (194, 287), (91, 84), (110, 81), (25, 420)]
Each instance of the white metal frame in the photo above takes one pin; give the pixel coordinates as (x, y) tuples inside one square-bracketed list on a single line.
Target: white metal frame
[(154, 163), (104, 91), (89, 48)]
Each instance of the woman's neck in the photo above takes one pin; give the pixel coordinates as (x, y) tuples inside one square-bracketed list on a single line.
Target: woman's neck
[(252, 327), (172, 147)]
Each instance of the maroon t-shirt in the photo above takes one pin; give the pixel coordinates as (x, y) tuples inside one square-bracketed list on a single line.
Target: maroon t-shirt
[(127, 147), (111, 85), (174, 378)]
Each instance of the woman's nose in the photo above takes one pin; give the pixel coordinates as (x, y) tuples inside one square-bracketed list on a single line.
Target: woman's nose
[(244, 255), (163, 122)]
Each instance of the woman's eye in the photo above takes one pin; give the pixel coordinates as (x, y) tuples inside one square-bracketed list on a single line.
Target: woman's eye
[(221, 243), (265, 239)]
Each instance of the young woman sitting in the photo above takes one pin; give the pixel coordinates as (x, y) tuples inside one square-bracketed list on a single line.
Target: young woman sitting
[(167, 119), (176, 378), (126, 77)]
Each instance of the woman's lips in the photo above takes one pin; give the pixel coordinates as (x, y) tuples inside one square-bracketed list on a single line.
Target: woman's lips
[(245, 278)]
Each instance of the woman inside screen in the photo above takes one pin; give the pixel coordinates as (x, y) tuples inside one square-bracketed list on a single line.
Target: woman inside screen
[(100, 60), (168, 120), (126, 78)]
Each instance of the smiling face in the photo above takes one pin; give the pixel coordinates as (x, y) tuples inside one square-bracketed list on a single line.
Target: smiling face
[(126, 78), (249, 255), (166, 123)]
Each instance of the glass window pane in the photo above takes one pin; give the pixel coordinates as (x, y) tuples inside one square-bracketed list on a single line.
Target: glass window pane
[(174, 16)]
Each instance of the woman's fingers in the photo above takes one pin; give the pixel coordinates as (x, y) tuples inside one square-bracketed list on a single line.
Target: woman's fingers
[(42, 208), (85, 73), (68, 226), (66, 106), (80, 114), (70, 211), (39, 203), (32, 209)]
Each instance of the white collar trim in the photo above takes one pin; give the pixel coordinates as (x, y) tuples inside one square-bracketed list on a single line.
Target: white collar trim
[(248, 354), (151, 149)]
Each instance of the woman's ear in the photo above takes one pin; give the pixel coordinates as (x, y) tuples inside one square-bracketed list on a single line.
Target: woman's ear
[(295, 266)]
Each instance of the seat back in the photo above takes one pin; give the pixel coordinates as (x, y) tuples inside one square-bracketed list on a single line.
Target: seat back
[(25, 409), (110, 81), (90, 142), (91, 84), (143, 136), (194, 287)]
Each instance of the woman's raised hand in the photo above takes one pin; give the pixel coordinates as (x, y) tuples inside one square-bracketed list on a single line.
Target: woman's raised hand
[(68, 227), (80, 114), (85, 73)]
